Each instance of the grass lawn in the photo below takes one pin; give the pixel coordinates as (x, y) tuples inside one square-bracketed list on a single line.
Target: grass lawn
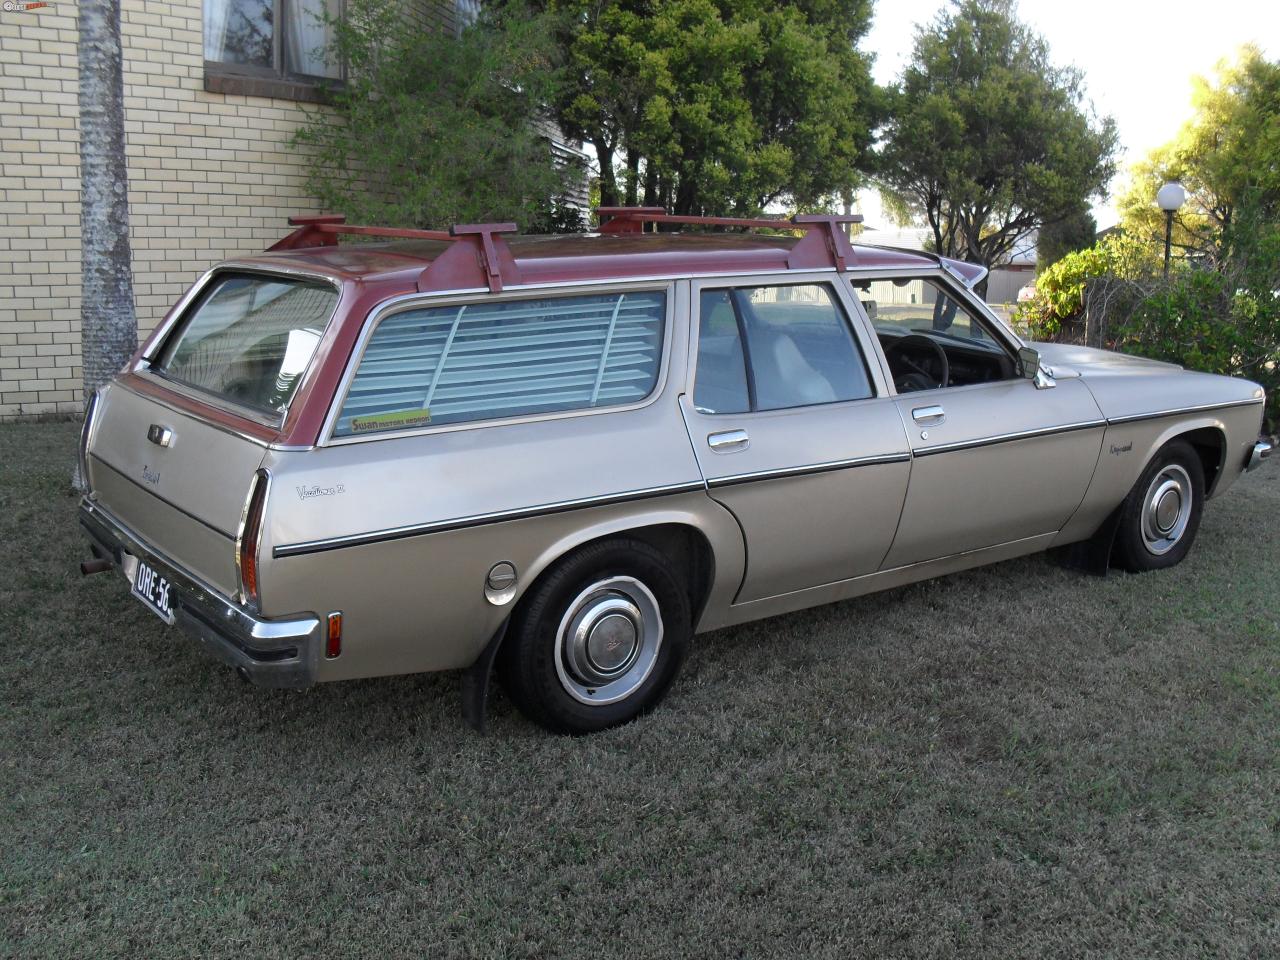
[(1020, 761)]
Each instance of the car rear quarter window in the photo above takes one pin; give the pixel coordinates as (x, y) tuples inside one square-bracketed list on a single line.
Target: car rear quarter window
[(484, 361), (249, 338)]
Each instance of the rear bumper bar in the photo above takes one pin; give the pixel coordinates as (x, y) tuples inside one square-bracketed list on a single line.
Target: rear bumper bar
[(273, 653), (1261, 450)]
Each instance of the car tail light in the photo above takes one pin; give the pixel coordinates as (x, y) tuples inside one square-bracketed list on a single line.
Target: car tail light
[(333, 642), (86, 434), (249, 536)]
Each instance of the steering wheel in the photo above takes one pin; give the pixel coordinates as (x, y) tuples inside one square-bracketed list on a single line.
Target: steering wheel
[(916, 376)]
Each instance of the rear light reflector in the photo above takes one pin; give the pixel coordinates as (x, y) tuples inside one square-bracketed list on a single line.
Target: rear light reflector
[(249, 537), (333, 640)]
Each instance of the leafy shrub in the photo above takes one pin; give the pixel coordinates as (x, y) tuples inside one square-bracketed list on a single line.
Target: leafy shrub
[(1221, 321), (1059, 304), (430, 130)]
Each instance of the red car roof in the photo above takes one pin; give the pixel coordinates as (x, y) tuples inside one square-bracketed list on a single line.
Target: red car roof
[(602, 256)]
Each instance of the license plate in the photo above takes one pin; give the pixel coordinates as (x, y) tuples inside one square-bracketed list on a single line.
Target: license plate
[(153, 590)]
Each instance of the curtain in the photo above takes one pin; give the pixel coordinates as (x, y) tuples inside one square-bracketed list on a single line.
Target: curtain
[(307, 37), (215, 28)]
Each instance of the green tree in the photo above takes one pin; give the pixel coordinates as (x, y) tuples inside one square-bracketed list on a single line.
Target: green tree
[(1224, 154), (430, 130), (703, 106), (1076, 231), (988, 139)]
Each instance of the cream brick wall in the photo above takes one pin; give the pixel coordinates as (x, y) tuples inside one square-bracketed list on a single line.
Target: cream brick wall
[(211, 176)]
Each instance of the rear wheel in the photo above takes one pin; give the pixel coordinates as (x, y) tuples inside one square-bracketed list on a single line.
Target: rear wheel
[(1161, 515), (599, 639)]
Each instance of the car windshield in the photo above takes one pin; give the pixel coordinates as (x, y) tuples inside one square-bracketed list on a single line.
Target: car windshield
[(249, 339)]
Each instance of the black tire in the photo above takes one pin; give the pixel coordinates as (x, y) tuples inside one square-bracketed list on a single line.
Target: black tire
[(535, 667), (1137, 551)]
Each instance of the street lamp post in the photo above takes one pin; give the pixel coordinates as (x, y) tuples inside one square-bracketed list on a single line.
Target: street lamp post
[(1169, 199)]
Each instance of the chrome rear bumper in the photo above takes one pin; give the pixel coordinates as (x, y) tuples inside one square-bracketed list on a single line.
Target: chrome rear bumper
[(1261, 450), (273, 653)]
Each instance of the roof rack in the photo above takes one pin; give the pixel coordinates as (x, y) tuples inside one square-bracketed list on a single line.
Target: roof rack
[(824, 243), (477, 255)]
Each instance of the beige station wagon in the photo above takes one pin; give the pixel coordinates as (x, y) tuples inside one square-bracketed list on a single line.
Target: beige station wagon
[(565, 456)]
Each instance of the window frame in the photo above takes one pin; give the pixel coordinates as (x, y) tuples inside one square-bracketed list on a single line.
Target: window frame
[(854, 318), (418, 301), (275, 81)]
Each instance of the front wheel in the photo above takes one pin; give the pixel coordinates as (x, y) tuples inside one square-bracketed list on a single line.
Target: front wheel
[(599, 639), (1161, 515)]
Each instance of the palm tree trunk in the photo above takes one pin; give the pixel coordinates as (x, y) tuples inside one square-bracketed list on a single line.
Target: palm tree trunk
[(108, 323)]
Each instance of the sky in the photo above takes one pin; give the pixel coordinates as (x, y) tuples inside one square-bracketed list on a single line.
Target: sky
[(1138, 58)]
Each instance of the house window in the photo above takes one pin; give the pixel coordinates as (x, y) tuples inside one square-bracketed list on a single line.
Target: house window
[(287, 39)]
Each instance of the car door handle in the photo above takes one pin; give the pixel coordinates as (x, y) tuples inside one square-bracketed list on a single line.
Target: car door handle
[(929, 415), (728, 441)]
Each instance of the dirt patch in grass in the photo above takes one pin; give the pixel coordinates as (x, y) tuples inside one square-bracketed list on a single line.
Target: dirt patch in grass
[(1018, 761)]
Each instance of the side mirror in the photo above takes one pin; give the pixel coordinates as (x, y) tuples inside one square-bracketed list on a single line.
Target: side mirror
[(1028, 362)]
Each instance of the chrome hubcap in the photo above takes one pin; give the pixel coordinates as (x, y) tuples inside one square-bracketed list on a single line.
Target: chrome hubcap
[(608, 641), (1166, 509)]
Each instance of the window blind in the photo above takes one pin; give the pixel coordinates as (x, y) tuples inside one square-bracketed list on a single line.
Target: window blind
[(488, 360)]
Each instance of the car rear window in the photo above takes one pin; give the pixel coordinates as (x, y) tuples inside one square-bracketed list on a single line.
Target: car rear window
[(249, 339), (482, 361)]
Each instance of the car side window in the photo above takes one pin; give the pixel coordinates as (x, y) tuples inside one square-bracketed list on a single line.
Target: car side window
[(929, 337), (775, 347), (483, 361)]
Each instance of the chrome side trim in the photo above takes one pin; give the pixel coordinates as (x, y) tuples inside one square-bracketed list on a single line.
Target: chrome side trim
[(168, 503), (1006, 438), (809, 470), (480, 519), (1134, 418)]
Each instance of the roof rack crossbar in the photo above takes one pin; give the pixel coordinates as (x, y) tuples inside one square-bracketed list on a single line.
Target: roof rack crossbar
[(477, 255), (823, 245), (633, 219), (323, 231)]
